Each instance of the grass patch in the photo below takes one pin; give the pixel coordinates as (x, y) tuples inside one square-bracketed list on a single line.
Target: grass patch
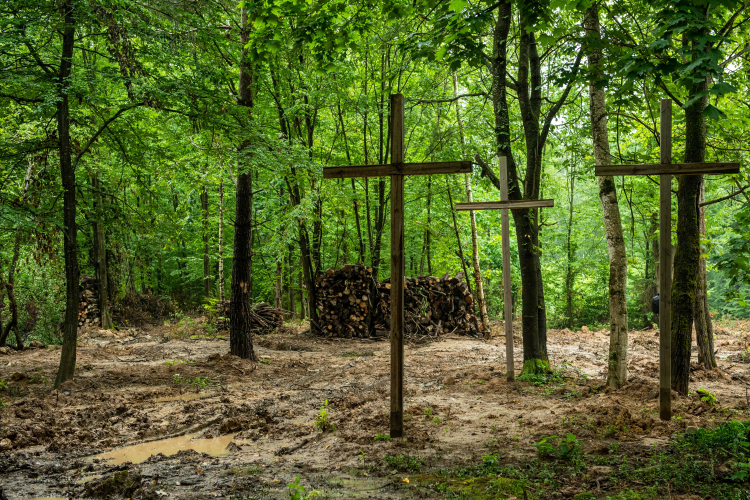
[(404, 463)]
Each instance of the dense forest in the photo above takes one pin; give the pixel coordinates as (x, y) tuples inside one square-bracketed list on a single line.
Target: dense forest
[(176, 149), (194, 304)]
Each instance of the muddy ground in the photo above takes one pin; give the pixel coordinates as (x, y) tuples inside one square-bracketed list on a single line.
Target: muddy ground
[(247, 430)]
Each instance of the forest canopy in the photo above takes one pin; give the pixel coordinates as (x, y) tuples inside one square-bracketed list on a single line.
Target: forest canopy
[(128, 131)]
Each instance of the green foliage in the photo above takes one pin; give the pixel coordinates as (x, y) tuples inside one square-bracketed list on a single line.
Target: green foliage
[(322, 419), (404, 462), (299, 492), (565, 448), (707, 396), (199, 382), (382, 437)]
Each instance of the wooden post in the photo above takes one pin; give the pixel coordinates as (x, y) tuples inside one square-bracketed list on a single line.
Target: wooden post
[(665, 266), (507, 297), (397, 268)]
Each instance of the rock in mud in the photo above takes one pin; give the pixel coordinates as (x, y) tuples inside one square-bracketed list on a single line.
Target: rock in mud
[(122, 484)]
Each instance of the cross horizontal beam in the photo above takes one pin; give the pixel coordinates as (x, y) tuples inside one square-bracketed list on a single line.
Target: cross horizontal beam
[(669, 168), (429, 168), (496, 205)]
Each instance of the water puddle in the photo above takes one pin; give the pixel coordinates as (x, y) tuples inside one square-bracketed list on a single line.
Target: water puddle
[(140, 452), (183, 397)]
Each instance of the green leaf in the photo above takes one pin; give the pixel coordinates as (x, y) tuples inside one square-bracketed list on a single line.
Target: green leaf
[(713, 113)]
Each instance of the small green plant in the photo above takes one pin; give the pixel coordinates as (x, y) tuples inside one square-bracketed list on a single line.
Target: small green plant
[(565, 448), (3, 385), (382, 437), (741, 471), (707, 396), (264, 361), (436, 420), (404, 463), (299, 492), (428, 412), (322, 420), (362, 455), (614, 447)]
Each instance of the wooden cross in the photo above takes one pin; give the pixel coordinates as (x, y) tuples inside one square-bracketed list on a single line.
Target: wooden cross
[(665, 170), (504, 204), (397, 169)]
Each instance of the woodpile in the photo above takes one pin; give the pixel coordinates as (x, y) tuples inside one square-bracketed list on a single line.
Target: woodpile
[(140, 309), (432, 307), (88, 307), (351, 305), (263, 318), (343, 302)]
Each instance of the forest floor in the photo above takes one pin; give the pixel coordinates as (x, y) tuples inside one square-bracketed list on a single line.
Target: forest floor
[(246, 430)]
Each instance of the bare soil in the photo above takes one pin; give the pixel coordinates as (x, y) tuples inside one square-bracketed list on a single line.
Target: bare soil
[(140, 386)]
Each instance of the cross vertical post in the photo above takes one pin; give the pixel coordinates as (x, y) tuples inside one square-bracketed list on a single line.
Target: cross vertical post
[(665, 170), (397, 268), (504, 205), (665, 265), (507, 294), (397, 170)]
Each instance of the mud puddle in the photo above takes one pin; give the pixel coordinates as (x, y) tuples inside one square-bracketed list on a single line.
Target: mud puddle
[(141, 452)]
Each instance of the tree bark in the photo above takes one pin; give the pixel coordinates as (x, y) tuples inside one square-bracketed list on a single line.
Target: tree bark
[(240, 336), (221, 242), (206, 256), (68, 176), (704, 334), (687, 255), (569, 265), (618, 264), (478, 285), (100, 256)]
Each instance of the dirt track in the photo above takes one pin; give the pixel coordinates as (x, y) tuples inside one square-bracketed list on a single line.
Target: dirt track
[(139, 386)]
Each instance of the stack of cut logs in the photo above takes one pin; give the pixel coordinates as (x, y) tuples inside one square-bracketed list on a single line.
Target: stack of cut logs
[(343, 303), (432, 306), (88, 308), (263, 318)]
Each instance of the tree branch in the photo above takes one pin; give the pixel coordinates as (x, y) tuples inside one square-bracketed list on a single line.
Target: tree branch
[(21, 99), (723, 198), (452, 99), (101, 129)]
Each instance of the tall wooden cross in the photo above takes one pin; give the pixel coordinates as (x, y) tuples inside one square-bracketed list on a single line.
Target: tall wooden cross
[(397, 169), (665, 169), (504, 204)]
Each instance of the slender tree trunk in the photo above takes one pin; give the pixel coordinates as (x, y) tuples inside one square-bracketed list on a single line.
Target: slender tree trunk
[(240, 337), (478, 285), (100, 256), (290, 284), (206, 257), (569, 265), (68, 176), (618, 265), (221, 242), (703, 327), (428, 231), (301, 295), (279, 285)]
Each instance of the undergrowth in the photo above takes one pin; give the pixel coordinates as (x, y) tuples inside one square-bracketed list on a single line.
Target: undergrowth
[(708, 463)]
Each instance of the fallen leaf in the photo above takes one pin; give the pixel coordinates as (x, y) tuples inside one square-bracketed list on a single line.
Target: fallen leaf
[(406, 479)]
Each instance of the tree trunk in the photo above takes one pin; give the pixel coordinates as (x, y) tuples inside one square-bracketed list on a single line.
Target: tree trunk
[(569, 266), (301, 295), (618, 263), (687, 255), (100, 256), (290, 284), (478, 285), (70, 230), (206, 257), (240, 336), (703, 327), (279, 285), (221, 242)]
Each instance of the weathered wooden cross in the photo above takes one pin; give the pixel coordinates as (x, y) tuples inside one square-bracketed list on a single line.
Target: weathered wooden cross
[(504, 204), (397, 169), (665, 170)]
